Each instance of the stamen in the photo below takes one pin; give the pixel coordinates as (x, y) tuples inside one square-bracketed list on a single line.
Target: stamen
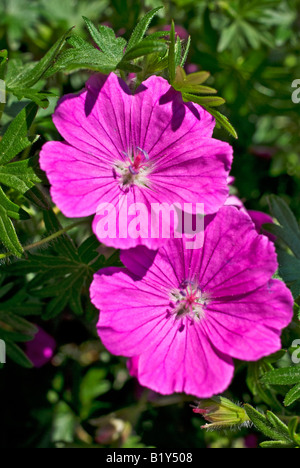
[(189, 301), (146, 155), (134, 169)]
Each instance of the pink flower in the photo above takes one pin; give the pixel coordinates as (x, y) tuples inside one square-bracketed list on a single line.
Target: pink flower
[(182, 315), (259, 219), (123, 149), (191, 68), (263, 152), (179, 31), (41, 349)]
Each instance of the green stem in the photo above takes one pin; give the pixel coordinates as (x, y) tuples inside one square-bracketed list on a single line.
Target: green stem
[(46, 240), (2, 107)]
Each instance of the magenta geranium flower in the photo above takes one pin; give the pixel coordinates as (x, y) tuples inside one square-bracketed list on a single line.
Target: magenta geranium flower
[(182, 315), (41, 349), (122, 149), (259, 219)]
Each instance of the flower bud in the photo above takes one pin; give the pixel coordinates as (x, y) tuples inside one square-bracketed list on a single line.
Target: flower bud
[(221, 413)]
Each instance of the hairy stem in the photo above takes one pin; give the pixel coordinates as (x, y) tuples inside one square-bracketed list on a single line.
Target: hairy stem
[(46, 240)]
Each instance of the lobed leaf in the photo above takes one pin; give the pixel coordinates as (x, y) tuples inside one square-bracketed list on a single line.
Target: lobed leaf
[(270, 425), (106, 40), (292, 396), (283, 376), (145, 47), (141, 28), (28, 78), (19, 175), (288, 230), (8, 234), (15, 138)]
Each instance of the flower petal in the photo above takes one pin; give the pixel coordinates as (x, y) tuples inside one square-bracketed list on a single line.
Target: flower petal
[(195, 171), (98, 120), (161, 118), (173, 355), (248, 327), (185, 361), (235, 259), (130, 310), (78, 180)]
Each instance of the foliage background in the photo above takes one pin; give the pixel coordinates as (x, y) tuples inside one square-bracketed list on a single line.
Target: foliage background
[(85, 396)]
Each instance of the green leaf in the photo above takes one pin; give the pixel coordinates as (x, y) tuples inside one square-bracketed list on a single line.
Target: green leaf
[(204, 101), (145, 47), (15, 138), (292, 395), (199, 89), (83, 59), (289, 271), (62, 244), (278, 424), (177, 52), (252, 36), (78, 42), (55, 307), (283, 214), (12, 210), (283, 376), (37, 197), (62, 277), (156, 35), (222, 121), (13, 327), (4, 290), (105, 38), (141, 28), (3, 63), (297, 310), (19, 175), (156, 64), (265, 393), (28, 78), (18, 324), (40, 98), (227, 36), (172, 58), (197, 78), (270, 425), (293, 424), (16, 67), (8, 234), (17, 355), (186, 52), (289, 230), (87, 249), (129, 67), (180, 78), (92, 386), (192, 84), (277, 444)]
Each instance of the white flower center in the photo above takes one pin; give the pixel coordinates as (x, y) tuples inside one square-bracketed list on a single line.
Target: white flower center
[(134, 169), (189, 301)]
